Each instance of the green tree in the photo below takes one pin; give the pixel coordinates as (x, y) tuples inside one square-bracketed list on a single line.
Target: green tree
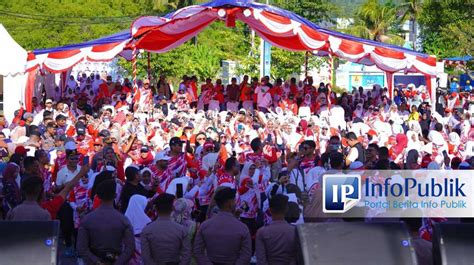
[(36, 24), (313, 10), (377, 21), (447, 27)]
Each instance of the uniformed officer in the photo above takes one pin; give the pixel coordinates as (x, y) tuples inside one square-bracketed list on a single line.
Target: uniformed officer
[(277, 243), (164, 241), (223, 239), (103, 232)]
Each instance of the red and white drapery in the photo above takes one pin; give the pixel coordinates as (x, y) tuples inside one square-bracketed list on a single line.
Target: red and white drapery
[(279, 27)]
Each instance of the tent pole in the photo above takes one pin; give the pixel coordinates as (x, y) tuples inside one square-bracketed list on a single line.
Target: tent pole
[(149, 67), (134, 64), (306, 64)]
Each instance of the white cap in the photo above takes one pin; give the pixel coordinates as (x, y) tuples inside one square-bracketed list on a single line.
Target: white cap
[(162, 156), (110, 168)]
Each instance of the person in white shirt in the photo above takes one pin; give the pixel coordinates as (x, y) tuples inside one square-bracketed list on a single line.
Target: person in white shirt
[(72, 167), (264, 98)]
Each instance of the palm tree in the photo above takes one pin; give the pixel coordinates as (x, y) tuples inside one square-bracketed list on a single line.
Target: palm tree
[(374, 21), (411, 9)]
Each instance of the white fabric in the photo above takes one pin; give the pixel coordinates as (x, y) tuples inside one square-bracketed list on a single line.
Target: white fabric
[(209, 160), (13, 93), (172, 187), (12, 55), (12, 68), (65, 175), (136, 213)]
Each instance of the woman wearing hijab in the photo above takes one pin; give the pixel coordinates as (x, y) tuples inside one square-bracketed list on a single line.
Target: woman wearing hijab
[(138, 219), (11, 186), (425, 122), (182, 215), (414, 141), (412, 160), (399, 147)]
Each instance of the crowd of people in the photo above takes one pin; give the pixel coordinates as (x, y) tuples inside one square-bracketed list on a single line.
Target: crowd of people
[(216, 173)]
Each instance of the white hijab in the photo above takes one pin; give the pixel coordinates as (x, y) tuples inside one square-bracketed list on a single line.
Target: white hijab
[(136, 213), (245, 172)]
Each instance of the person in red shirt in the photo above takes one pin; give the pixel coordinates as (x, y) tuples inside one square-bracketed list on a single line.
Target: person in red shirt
[(246, 91), (32, 188), (218, 93), (106, 89), (193, 91), (294, 88)]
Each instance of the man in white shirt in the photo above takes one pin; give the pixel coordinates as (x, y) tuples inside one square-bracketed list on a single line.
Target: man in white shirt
[(71, 169), (65, 213)]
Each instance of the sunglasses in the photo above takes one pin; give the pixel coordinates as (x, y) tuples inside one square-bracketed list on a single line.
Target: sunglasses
[(200, 139), (98, 145), (73, 158)]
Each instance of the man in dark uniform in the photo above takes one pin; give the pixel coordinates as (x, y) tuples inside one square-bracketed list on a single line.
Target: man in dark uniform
[(223, 239), (105, 235), (277, 242), (165, 241)]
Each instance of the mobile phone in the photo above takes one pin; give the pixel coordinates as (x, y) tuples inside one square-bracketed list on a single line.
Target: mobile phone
[(179, 190), (269, 138), (85, 161)]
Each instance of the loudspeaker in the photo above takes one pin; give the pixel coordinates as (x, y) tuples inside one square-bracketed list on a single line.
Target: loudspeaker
[(29, 242), (356, 243), (453, 244)]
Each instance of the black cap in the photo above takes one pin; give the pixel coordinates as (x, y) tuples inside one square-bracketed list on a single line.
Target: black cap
[(144, 149), (104, 133), (175, 121), (175, 141), (80, 128)]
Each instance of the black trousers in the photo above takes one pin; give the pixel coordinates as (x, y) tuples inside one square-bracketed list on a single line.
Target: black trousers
[(251, 223), (201, 217), (66, 219)]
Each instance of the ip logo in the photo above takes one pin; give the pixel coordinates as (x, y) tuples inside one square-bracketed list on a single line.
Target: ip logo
[(340, 192)]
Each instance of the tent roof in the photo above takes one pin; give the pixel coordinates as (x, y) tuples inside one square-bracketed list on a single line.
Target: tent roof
[(281, 28), (12, 55), (117, 37)]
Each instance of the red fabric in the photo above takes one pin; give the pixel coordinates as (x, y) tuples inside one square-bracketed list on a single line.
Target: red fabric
[(29, 89), (53, 206), (428, 84)]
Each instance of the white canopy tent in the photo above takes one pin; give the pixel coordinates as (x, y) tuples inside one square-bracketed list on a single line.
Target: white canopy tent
[(12, 68)]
